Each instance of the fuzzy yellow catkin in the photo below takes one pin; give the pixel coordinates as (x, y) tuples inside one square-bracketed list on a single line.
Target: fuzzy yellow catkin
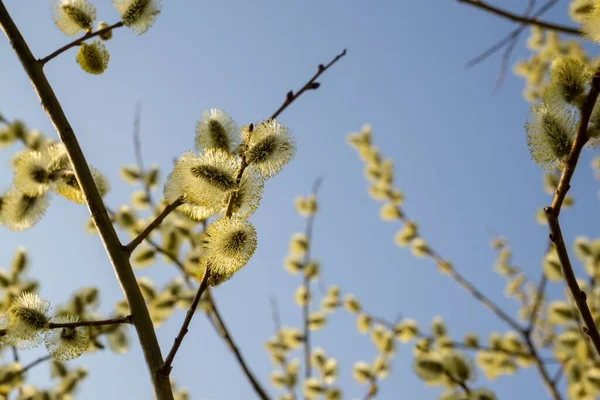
[(361, 372), (380, 367), (316, 320), (26, 320), (306, 206), (312, 269), (312, 388), (298, 244), (292, 265), (318, 358), (419, 247), (93, 58), (363, 323), (269, 147), (438, 327), (67, 343), (351, 304), (73, 16), (406, 330), (429, 367), (139, 15), (405, 235), (390, 212), (216, 129), (301, 296)]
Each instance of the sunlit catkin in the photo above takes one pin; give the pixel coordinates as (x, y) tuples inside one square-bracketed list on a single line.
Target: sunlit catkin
[(361, 372), (139, 15), (67, 186), (67, 343), (31, 174), (568, 80), (216, 130), (73, 16), (550, 130), (26, 320), (229, 243), (93, 57), (406, 330), (20, 211), (270, 147), (205, 179), (246, 197)]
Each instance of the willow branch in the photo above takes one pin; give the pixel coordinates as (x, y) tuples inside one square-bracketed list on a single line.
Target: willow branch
[(16, 374), (312, 84), (262, 394), (153, 225), (550, 385), (306, 283), (553, 212), (476, 293), (112, 321), (521, 19), (539, 297), (77, 42), (166, 368), (118, 256)]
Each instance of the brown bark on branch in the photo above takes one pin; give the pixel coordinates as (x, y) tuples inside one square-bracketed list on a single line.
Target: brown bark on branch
[(118, 256)]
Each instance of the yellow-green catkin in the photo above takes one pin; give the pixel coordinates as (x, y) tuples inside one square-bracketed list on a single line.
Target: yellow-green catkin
[(93, 58)]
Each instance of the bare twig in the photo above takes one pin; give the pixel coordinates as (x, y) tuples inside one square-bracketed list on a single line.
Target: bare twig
[(306, 282), (16, 374), (153, 225), (113, 321), (166, 368), (521, 19), (234, 348), (553, 212), (312, 84), (539, 297), (77, 42), (547, 381), (118, 256)]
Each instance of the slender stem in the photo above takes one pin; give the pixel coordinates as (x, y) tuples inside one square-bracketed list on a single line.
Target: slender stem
[(510, 38), (113, 321), (153, 225), (477, 294), (118, 256), (77, 42), (521, 19), (166, 368), (16, 374), (312, 84), (553, 212), (262, 394), (539, 297), (547, 381), (308, 233)]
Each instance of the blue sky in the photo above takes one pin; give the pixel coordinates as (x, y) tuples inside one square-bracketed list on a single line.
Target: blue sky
[(459, 152)]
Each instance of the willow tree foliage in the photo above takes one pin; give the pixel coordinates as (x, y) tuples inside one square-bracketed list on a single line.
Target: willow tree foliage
[(197, 219)]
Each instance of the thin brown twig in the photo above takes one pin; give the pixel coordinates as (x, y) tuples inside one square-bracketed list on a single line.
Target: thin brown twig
[(153, 225), (308, 233), (521, 19), (553, 212), (312, 84), (114, 248), (77, 42), (16, 374), (234, 348), (547, 381), (166, 368), (539, 297), (113, 321)]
